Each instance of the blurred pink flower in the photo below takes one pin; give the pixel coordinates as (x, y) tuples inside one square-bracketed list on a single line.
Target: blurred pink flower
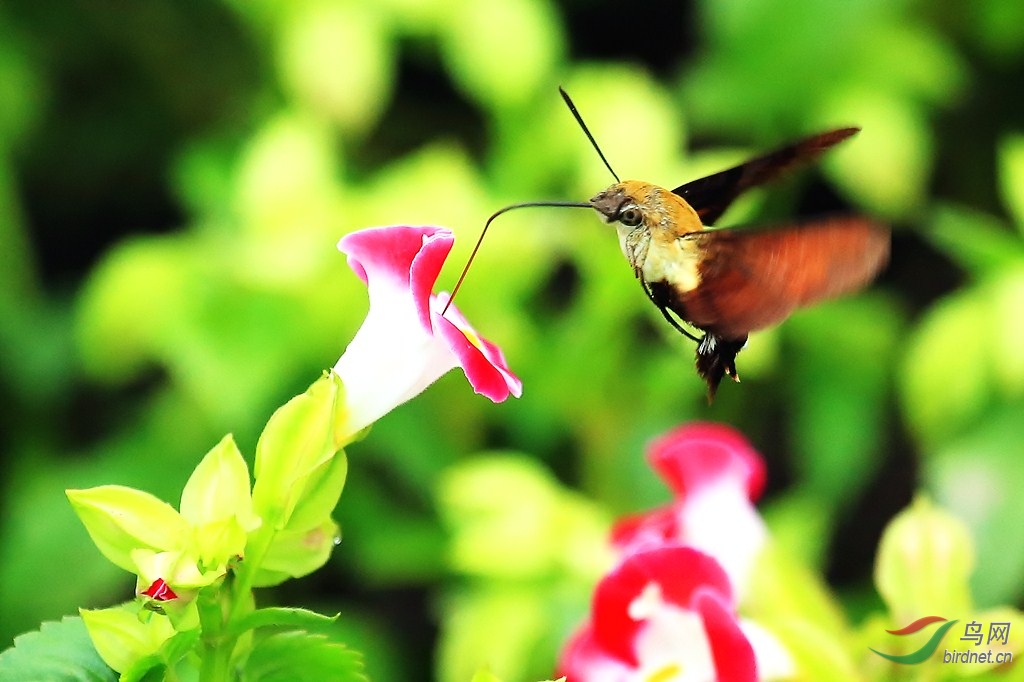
[(664, 613), (405, 344), (668, 610), (715, 475)]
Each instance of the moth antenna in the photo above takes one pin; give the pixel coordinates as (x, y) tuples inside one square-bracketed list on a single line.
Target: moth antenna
[(586, 130), (526, 204)]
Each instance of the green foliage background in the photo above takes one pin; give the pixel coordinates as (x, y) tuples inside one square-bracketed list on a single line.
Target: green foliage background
[(173, 179)]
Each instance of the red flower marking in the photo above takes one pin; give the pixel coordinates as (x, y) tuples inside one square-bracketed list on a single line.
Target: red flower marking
[(160, 591)]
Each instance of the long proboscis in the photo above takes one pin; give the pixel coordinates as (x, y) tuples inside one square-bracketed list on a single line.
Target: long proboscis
[(525, 204)]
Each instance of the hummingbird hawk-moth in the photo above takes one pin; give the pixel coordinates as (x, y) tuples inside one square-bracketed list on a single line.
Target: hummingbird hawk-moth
[(728, 282)]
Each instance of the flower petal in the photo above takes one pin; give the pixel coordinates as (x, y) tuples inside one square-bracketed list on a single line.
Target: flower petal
[(723, 523), (665, 613), (582, 660), (774, 662), (714, 472), (734, 657), (394, 355), (698, 454), (404, 344), (483, 362), (400, 257), (648, 530), (678, 572)]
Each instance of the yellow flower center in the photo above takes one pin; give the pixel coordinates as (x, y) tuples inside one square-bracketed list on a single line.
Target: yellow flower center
[(665, 673)]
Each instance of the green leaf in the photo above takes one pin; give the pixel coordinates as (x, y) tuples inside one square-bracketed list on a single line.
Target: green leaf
[(795, 604), (286, 180), (499, 511), (57, 651), (281, 616), (302, 657), (640, 128), (945, 374), (800, 523), (924, 563), (133, 302), (146, 669), (997, 27), (179, 645)]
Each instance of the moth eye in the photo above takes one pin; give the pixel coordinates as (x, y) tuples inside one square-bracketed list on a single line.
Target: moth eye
[(631, 217)]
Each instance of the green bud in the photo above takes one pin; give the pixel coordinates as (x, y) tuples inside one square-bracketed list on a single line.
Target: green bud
[(924, 563), (322, 487), (122, 637), (121, 519), (300, 438), (297, 553), (218, 543), (218, 489)]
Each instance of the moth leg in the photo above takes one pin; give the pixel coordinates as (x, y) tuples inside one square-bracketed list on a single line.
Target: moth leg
[(664, 311), (672, 321)]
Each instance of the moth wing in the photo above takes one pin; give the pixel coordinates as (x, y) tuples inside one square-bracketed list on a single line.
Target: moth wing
[(711, 195), (754, 278)]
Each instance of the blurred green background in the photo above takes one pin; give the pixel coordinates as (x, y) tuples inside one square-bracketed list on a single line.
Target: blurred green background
[(174, 178)]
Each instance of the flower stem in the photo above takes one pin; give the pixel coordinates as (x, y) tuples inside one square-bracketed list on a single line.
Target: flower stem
[(216, 648)]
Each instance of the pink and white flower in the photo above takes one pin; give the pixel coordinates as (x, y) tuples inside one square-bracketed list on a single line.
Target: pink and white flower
[(715, 475), (667, 614), (405, 343), (668, 610)]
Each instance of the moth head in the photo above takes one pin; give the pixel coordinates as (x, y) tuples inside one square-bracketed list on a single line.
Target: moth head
[(634, 204), (621, 203)]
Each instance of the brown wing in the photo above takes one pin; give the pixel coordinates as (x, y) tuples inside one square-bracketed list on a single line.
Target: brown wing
[(754, 278), (710, 196)]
